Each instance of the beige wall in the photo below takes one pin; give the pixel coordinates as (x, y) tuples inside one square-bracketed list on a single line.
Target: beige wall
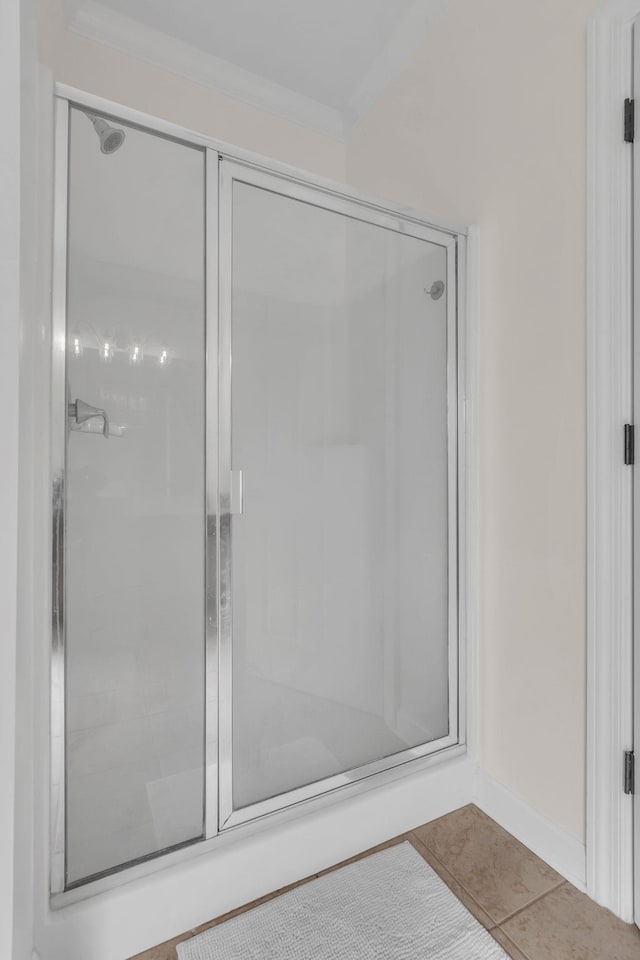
[(486, 124), (104, 71)]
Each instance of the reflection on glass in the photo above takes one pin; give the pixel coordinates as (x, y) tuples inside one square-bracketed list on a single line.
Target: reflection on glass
[(135, 355), (76, 346), (107, 350)]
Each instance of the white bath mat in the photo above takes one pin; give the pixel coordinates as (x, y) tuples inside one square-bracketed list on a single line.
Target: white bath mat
[(389, 906)]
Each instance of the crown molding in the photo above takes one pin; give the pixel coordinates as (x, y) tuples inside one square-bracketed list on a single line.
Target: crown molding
[(96, 22), (399, 46)]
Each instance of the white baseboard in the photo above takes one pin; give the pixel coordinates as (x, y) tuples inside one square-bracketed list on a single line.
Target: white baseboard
[(559, 849)]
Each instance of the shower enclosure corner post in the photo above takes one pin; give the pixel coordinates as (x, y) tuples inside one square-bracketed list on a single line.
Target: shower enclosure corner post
[(212, 572), (224, 785), (453, 415), (57, 851), (466, 505)]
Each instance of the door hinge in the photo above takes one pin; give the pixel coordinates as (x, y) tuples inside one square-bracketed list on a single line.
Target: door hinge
[(629, 120), (629, 444), (629, 772)]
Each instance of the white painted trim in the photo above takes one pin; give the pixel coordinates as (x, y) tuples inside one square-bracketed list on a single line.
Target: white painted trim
[(10, 182), (559, 849), (103, 25), (609, 873), (468, 478), (633, 679)]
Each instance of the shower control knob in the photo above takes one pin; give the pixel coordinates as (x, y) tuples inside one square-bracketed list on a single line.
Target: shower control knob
[(81, 412)]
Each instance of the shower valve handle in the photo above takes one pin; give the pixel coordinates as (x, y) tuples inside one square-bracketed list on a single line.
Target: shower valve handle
[(81, 412)]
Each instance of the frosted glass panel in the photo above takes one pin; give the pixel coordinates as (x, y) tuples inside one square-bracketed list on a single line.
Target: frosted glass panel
[(340, 555), (135, 522)]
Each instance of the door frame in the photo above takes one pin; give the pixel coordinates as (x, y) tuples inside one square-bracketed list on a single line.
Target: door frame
[(609, 307), (463, 275)]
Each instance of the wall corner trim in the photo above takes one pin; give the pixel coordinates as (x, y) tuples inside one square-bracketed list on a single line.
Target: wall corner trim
[(469, 493), (551, 843)]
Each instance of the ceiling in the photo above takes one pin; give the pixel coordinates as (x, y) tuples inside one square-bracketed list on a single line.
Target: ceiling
[(321, 63)]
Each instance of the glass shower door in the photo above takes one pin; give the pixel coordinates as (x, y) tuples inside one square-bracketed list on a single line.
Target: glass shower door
[(338, 492), (255, 513), (134, 505)]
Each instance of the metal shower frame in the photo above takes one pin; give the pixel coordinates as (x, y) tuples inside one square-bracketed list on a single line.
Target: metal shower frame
[(223, 166)]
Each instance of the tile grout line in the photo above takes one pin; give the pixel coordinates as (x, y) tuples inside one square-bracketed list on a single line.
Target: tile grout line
[(461, 885), (497, 923), (540, 896), (511, 940)]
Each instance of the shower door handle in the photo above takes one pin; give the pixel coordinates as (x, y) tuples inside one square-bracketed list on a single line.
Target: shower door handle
[(81, 412), (236, 492)]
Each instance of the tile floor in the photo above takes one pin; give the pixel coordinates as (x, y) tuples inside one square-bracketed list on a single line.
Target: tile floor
[(528, 907)]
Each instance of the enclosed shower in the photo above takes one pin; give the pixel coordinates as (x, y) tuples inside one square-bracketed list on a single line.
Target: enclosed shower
[(255, 492)]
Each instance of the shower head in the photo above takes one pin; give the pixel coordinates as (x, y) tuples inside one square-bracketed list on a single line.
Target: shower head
[(111, 138), (436, 289)]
